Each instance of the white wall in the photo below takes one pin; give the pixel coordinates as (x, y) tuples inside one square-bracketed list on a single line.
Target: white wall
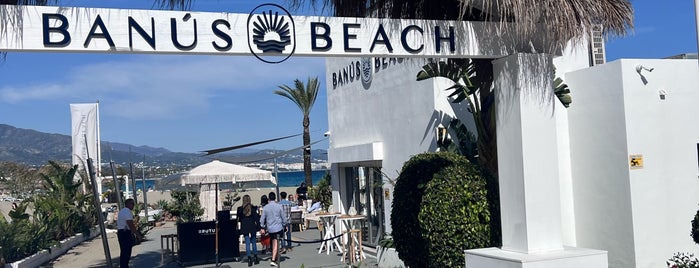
[(401, 114), (640, 216), (395, 111), (574, 58)]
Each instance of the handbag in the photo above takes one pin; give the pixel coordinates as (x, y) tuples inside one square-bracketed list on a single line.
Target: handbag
[(265, 240)]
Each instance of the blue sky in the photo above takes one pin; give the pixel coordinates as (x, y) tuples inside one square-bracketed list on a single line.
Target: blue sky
[(194, 103)]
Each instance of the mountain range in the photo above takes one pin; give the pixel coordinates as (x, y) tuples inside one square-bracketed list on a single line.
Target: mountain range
[(31, 147)]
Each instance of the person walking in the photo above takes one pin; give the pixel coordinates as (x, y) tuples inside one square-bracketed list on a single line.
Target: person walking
[(273, 221), (264, 238), (126, 232), (249, 225), (286, 236)]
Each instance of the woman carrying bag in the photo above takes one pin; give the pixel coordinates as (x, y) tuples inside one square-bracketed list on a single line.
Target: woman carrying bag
[(249, 220)]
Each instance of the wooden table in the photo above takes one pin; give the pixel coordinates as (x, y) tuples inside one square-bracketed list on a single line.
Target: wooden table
[(350, 222)]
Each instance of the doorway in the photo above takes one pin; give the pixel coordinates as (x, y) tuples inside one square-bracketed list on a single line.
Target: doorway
[(364, 188)]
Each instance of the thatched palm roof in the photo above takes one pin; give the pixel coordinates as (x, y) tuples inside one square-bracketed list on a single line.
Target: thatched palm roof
[(562, 20)]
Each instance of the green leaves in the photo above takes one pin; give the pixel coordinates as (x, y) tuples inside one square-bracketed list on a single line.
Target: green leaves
[(440, 208), (322, 192), (562, 92), (459, 71), (60, 211), (185, 206)]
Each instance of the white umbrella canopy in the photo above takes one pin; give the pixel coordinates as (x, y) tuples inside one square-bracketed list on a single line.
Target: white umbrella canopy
[(217, 171)]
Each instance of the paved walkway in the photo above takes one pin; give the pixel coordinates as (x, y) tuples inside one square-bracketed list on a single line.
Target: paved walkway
[(149, 254)]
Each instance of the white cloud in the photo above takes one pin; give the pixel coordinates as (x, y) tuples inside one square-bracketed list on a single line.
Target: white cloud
[(163, 87)]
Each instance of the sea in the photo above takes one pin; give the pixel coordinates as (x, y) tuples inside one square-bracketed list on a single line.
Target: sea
[(286, 179)]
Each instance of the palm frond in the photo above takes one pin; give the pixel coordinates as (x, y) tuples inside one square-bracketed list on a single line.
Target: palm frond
[(174, 4), (304, 96)]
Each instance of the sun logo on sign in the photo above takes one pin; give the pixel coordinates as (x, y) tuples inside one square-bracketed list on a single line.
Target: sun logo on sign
[(367, 72), (271, 34)]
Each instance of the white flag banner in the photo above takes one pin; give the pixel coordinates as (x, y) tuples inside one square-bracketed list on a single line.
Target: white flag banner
[(85, 133)]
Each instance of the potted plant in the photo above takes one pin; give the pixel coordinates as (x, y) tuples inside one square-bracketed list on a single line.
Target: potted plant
[(322, 192), (387, 255)]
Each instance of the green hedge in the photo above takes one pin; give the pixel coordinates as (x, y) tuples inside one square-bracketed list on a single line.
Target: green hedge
[(440, 208)]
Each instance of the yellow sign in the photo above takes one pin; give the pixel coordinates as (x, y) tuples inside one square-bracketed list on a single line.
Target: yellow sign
[(636, 161), (386, 194)]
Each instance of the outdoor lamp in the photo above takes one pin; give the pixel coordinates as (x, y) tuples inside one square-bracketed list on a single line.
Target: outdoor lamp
[(442, 136)]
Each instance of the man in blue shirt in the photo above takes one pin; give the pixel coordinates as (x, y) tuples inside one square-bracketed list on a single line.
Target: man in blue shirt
[(273, 221), (286, 204)]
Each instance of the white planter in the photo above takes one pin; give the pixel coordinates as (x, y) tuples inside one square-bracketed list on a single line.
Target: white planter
[(388, 258), (44, 256)]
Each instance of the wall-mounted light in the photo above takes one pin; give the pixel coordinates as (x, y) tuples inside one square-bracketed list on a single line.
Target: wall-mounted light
[(640, 69), (442, 136), (662, 93)]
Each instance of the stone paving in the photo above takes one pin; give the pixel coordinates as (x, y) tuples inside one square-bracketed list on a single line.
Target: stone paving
[(149, 253)]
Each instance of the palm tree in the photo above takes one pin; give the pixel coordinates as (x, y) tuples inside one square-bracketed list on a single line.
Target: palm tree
[(304, 96)]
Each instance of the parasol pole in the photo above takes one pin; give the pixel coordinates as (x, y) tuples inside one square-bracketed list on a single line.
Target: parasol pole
[(216, 219), (276, 176), (145, 193)]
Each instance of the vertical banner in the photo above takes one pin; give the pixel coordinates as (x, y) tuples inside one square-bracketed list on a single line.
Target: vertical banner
[(85, 134)]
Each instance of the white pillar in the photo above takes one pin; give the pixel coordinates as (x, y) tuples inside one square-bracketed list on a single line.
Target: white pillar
[(530, 201), (527, 154)]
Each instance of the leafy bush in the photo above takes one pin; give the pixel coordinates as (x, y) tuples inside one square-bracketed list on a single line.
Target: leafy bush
[(322, 192), (440, 208), (387, 241), (683, 260), (162, 204), (185, 206), (695, 228), (61, 210)]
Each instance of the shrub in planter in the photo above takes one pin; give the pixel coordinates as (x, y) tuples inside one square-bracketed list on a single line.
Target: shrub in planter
[(440, 208), (683, 260), (185, 206)]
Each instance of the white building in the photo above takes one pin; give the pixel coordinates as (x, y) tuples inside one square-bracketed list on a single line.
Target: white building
[(634, 143), (639, 216)]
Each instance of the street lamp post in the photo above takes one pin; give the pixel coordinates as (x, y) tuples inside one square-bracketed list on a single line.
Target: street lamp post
[(145, 193)]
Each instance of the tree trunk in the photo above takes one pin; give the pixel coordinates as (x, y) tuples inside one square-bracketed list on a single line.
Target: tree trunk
[(307, 151)]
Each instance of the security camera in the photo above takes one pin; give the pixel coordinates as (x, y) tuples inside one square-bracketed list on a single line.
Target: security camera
[(326, 134)]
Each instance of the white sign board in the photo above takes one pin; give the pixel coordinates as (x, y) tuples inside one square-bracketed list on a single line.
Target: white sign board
[(268, 32)]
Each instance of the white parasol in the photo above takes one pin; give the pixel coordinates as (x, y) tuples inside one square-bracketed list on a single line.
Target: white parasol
[(217, 171), (209, 175)]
